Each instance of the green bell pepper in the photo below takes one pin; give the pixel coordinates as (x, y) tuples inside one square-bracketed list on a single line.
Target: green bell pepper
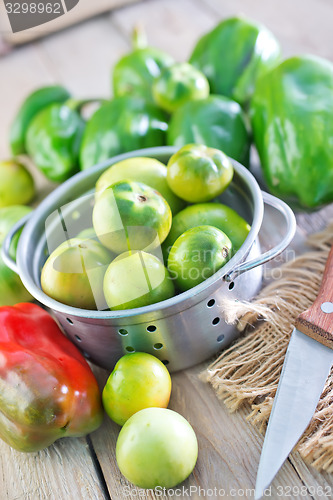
[(124, 124), (292, 120), (12, 290), (234, 55), (33, 104), (53, 141), (135, 72), (217, 122)]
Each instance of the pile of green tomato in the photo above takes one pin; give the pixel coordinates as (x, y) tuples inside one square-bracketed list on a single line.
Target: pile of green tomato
[(155, 232)]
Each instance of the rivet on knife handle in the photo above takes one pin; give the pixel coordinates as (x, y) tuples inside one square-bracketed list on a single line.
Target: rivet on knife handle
[(317, 321)]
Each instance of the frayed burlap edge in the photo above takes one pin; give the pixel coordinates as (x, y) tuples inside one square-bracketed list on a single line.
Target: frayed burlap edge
[(249, 370)]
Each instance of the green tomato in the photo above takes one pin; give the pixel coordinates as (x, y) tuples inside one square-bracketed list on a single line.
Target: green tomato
[(141, 169), (12, 289), (197, 173), (178, 84), (8, 217), (156, 447), (212, 214), (73, 274), (138, 381), (197, 254), (130, 215), (136, 280), (17, 185)]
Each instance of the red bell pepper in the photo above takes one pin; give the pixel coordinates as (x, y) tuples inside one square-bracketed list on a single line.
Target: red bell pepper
[(47, 389)]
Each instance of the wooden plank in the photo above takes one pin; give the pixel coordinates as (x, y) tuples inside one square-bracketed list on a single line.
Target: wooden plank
[(21, 72), (316, 221), (65, 470), (93, 48), (171, 25), (104, 444), (301, 26), (229, 447)]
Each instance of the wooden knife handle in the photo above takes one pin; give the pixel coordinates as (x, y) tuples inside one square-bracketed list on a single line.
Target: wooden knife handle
[(317, 321)]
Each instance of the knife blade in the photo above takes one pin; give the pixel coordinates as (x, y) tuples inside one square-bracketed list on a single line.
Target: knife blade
[(306, 367)]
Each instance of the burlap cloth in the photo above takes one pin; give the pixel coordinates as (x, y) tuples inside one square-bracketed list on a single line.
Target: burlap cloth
[(249, 370)]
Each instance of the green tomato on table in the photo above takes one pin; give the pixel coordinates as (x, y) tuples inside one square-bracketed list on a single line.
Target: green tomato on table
[(156, 447), (138, 381), (17, 185)]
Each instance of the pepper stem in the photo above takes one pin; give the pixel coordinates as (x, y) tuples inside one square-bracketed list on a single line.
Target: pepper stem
[(139, 37), (78, 104)]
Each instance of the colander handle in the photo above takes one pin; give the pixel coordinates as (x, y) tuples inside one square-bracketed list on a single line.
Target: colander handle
[(290, 219), (8, 241)]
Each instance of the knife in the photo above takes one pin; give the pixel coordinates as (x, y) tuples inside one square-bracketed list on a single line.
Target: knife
[(306, 367)]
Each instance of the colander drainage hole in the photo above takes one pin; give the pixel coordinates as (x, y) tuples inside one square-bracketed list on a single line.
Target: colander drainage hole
[(231, 285), (123, 332), (210, 303), (78, 338), (158, 346), (216, 321), (165, 361), (220, 338), (86, 355), (69, 321), (130, 349), (151, 328)]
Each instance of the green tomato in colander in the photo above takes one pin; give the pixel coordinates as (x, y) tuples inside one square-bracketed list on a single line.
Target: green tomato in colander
[(156, 447), (212, 214), (197, 173), (131, 216), (141, 169), (197, 254), (136, 279)]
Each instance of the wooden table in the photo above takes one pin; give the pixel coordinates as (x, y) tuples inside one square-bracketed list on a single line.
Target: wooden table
[(81, 58)]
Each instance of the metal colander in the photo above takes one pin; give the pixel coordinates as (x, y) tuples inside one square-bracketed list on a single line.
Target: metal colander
[(181, 331)]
